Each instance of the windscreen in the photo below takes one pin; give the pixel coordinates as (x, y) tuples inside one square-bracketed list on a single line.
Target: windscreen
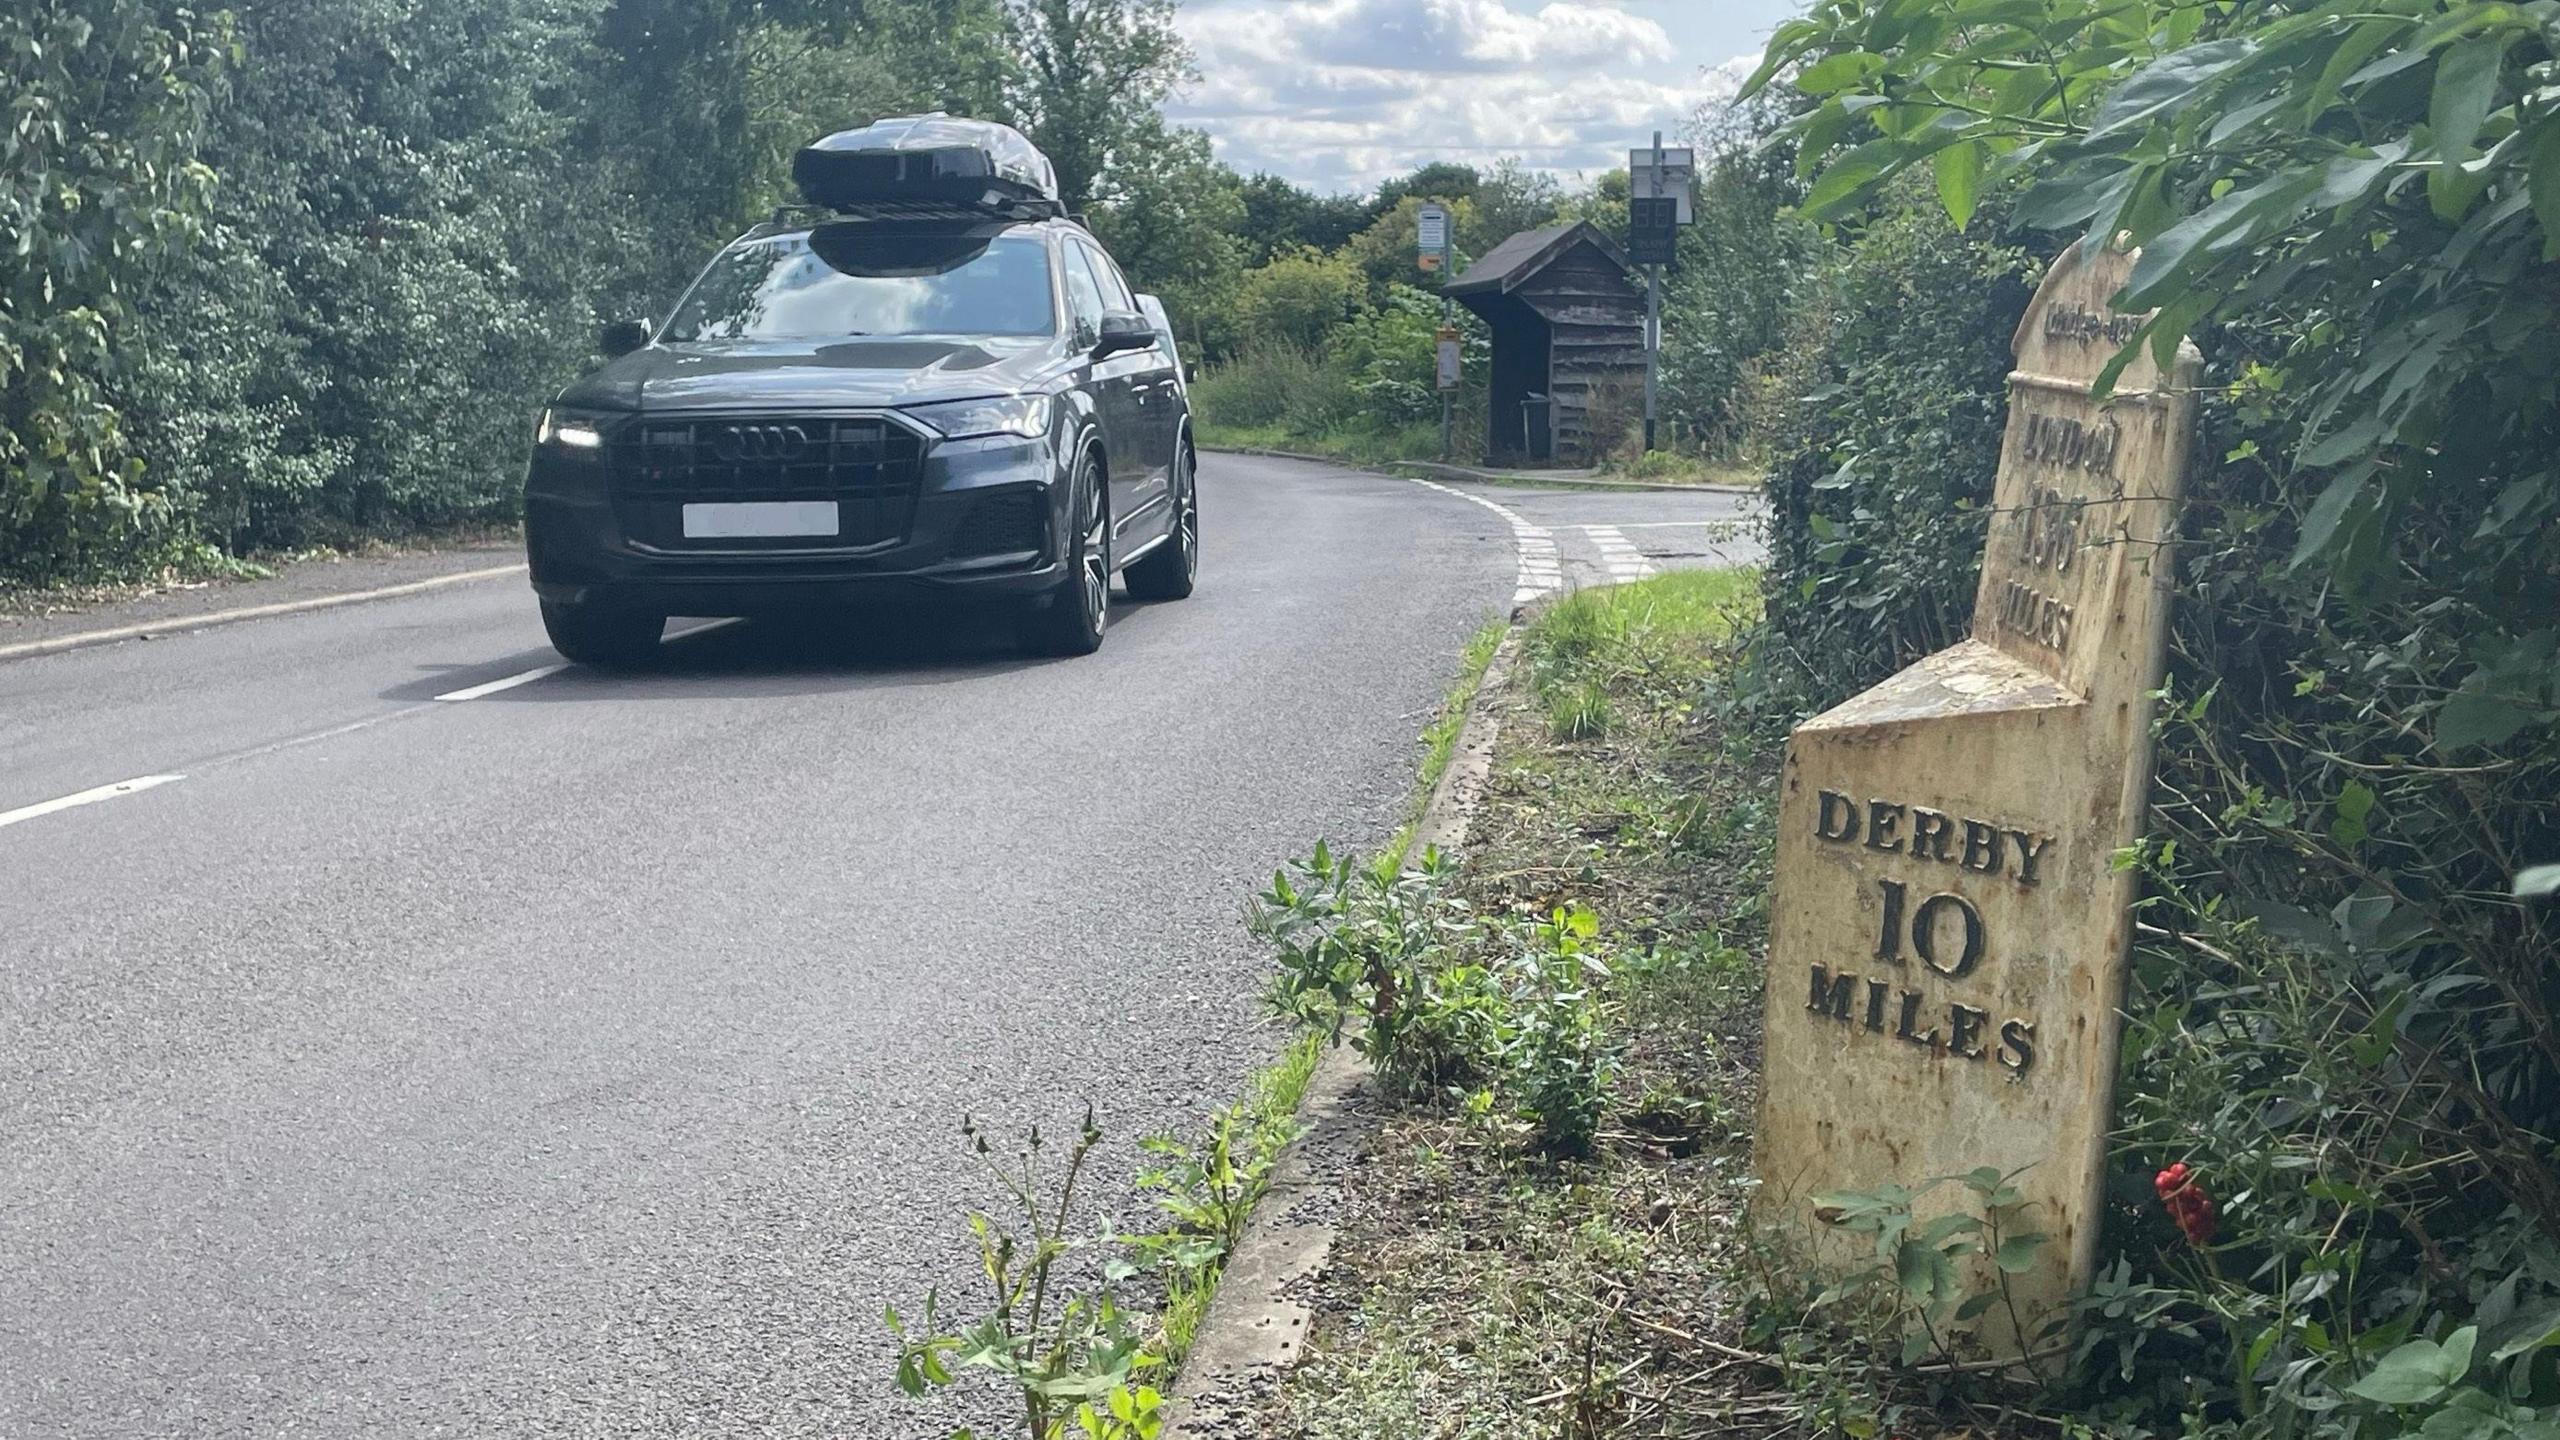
[(784, 289)]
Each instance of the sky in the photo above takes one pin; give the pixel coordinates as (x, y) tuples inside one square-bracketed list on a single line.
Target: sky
[(1340, 94)]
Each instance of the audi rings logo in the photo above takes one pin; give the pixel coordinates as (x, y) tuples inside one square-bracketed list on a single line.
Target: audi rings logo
[(736, 443)]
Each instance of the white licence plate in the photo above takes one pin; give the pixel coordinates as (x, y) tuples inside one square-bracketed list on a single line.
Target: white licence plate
[(760, 519)]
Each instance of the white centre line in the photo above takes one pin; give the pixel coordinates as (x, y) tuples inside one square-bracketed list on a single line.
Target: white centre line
[(539, 672), (545, 672), (88, 797)]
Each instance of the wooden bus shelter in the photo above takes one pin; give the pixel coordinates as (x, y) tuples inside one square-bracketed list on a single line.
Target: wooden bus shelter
[(1568, 324)]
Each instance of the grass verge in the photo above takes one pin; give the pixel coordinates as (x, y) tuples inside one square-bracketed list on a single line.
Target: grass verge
[(1479, 1289), (1267, 1114), (1356, 445)]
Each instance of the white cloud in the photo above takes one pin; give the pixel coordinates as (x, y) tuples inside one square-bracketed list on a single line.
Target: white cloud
[(1340, 94)]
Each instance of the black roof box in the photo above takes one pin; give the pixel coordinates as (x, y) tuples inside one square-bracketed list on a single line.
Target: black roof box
[(929, 167)]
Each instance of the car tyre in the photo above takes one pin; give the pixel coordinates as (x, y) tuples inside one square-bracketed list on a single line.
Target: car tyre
[(1070, 619), (599, 635), (1169, 571)]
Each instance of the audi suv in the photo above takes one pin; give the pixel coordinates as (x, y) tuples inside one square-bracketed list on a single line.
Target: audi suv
[(839, 411)]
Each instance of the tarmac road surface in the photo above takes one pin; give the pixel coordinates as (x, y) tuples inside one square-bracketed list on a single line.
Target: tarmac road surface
[(586, 1053)]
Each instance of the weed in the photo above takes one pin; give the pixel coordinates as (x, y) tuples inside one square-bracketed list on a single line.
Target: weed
[(1072, 1360), (1914, 1294), (1372, 942), (1556, 1054), (1208, 1188)]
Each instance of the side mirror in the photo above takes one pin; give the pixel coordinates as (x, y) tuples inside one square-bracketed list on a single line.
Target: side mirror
[(1124, 330), (621, 337)]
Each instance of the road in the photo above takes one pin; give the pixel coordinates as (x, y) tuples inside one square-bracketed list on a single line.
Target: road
[(588, 1057)]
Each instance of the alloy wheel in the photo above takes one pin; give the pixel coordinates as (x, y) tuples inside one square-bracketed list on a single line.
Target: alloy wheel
[(1097, 559), (1186, 526)]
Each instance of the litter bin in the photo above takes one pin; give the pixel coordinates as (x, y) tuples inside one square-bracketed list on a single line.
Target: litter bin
[(1538, 426)]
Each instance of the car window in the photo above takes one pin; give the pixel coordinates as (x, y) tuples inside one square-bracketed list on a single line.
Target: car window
[(1115, 291), (1084, 293), (845, 284)]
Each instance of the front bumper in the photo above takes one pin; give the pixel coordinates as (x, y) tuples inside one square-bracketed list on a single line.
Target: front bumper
[(985, 519)]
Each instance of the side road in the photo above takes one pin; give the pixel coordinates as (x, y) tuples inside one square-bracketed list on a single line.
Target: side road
[(1584, 479)]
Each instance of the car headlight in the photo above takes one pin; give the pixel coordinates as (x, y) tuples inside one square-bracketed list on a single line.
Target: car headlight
[(568, 432), (1024, 415)]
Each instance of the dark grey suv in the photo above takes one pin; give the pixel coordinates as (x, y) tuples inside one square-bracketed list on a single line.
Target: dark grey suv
[(846, 410)]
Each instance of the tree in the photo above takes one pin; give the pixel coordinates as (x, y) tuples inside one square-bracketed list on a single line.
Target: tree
[(1094, 74), (1281, 216), (1515, 198), (1439, 180), (1388, 251), (1170, 215)]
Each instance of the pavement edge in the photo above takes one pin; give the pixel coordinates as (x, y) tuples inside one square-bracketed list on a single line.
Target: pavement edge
[(1255, 1330), (176, 624)]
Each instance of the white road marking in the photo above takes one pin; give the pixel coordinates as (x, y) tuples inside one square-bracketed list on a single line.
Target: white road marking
[(474, 692), (1541, 568), (1619, 554), (1666, 525), (545, 672), (88, 797)]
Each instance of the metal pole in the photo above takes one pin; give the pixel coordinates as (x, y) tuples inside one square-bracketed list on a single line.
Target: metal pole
[(1653, 321), (1448, 319)]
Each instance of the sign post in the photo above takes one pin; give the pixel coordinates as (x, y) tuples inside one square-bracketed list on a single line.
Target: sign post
[(1659, 189), (1434, 234)]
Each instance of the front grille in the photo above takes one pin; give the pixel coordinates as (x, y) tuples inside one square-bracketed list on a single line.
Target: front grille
[(1009, 521), (870, 467)]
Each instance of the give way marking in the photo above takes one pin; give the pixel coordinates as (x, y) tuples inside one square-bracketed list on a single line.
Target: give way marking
[(1541, 566)]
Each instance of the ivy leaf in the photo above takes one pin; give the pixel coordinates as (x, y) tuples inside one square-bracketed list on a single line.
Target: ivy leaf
[(2544, 1333), (2354, 804), (2470, 719)]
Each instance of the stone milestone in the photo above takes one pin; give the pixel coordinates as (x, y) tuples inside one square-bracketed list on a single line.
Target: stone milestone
[(1949, 935)]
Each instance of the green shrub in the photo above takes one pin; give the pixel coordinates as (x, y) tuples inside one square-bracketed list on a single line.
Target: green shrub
[(1511, 1015), (1375, 946), (2341, 1013), (1882, 468), (1283, 387), (1298, 300)]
